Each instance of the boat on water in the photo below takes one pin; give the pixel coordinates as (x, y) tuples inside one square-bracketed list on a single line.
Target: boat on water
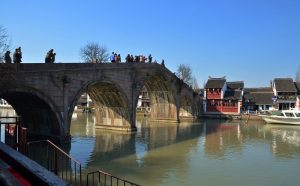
[(4, 104), (290, 117)]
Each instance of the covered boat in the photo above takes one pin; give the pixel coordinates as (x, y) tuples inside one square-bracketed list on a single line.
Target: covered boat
[(290, 117)]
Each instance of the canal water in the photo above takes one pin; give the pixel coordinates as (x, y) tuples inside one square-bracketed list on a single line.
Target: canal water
[(206, 153)]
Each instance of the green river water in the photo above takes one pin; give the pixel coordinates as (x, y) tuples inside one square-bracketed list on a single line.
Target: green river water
[(206, 153)]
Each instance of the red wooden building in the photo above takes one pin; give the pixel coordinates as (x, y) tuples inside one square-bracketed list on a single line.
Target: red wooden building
[(221, 97)]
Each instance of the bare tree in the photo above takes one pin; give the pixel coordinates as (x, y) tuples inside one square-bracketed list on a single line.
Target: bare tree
[(4, 43), (297, 79), (94, 53), (195, 84), (184, 73)]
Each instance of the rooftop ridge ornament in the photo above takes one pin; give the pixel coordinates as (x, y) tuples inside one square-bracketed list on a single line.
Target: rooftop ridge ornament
[(224, 77)]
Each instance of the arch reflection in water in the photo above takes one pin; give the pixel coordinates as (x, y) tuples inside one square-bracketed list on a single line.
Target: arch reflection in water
[(183, 154)]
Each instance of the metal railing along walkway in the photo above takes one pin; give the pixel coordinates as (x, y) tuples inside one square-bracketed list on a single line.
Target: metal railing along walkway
[(52, 157), (67, 168), (103, 178), (55, 160)]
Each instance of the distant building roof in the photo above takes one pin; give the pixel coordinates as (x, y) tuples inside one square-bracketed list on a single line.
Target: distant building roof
[(232, 94), (235, 85), (215, 83), (285, 85), (260, 89), (259, 98)]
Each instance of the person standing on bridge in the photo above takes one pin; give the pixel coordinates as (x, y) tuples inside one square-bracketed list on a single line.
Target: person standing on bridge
[(50, 56), (150, 58), (17, 55), (127, 58), (7, 57), (53, 58), (163, 63), (112, 57), (118, 58)]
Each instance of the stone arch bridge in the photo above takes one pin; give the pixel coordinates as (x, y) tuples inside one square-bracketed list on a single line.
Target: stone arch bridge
[(45, 95)]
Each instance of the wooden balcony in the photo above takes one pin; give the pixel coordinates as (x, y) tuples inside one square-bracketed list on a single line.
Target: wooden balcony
[(213, 95)]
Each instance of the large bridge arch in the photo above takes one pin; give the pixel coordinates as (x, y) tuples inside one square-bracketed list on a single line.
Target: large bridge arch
[(37, 111), (110, 102), (163, 96)]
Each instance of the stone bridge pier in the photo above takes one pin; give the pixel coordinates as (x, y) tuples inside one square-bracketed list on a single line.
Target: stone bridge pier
[(45, 95)]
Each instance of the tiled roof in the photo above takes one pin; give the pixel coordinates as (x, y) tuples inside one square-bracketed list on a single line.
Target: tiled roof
[(285, 85), (235, 85), (260, 89), (215, 83), (259, 98), (232, 94)]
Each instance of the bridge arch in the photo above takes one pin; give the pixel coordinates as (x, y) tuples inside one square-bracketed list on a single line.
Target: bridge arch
[(110, 102), (162, 94), (37, 110), (186, 106)]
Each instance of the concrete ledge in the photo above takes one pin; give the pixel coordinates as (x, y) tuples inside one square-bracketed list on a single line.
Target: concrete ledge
[(30, 170), (220, 116), (188, 120), (251, 117), (161, 120), (116, 128)]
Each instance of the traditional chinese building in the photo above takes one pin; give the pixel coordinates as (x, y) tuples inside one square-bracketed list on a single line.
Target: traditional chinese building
[(258, 99), (286, 93), (221, 97), (143, 103)]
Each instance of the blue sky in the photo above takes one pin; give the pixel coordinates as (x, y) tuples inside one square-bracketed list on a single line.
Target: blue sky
[(250, 40)]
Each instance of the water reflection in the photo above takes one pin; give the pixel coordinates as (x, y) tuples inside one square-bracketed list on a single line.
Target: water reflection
[(285, 140), (221, 137), (172, 154)]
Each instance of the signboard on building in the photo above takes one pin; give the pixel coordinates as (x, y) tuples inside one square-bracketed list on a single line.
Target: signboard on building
[(274, 98)]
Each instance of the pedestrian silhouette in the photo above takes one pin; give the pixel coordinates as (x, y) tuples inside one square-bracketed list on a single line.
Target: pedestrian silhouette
[(7, 57), (53, 58), (150, 58), (17, 57), (163, 63), (50, 57)]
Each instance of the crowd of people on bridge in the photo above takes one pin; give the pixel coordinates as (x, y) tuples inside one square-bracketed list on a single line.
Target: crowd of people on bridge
[(138, 59), (114, 58)]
